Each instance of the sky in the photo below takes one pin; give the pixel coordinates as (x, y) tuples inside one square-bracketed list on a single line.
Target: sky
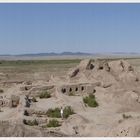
[(90, 28)]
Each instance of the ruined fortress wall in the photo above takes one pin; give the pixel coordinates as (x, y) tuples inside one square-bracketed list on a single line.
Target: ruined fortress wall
[(34, 91), (77, 89), (4, 103)]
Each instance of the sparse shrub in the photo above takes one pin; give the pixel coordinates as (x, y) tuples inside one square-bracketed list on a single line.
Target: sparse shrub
[(25, 122), (54, 113), (34, 122), (71, 94), (90, 101), (26, 113), (53, 123), (45, 95), (1, 90), (40, 113), (126, 116), (67, 112), (34, 99), (30, 122)]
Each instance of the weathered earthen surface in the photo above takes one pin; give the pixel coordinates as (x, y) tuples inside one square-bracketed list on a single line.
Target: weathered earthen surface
[(115, 85)]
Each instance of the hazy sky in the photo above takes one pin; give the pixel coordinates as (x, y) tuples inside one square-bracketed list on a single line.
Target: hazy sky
[(36, 28)]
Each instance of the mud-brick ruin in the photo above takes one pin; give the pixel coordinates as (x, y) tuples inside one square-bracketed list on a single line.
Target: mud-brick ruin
[(115, 85), (90, 74), (12, 101), (78, 89)]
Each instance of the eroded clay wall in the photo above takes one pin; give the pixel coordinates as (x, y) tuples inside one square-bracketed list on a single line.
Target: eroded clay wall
[(77, 89)]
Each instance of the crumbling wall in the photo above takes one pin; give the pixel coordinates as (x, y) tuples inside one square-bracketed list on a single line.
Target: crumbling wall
[(77, 89), (4, 102), (14, 101), (35, 91), (84, 65)]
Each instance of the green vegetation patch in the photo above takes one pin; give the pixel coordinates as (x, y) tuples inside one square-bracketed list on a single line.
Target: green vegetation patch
[(54, 62), (30, 122), (90, 101), (126, 116), (53, 123), (71, 94), (55, 113), (37, 62), (68, 111), (45, 94)]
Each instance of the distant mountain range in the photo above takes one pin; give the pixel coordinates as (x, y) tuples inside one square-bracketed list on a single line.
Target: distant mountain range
[(69, 53), (49, 54)]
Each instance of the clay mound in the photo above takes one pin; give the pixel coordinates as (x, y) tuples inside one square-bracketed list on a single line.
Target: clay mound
[(108, 73), (124, 73), (120, 66), (115, 67), (126, 79), (84, 65)]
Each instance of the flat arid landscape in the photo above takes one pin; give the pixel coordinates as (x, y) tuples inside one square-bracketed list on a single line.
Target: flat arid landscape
[(99, 96)]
